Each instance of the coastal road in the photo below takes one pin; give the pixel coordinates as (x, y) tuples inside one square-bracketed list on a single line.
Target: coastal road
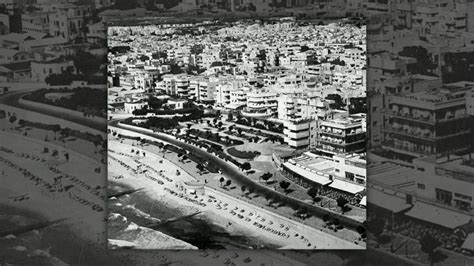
[(231, 171), (12, 99)]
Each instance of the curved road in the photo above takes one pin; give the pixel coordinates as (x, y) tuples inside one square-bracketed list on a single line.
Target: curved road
[(229, 170), (11, 99)]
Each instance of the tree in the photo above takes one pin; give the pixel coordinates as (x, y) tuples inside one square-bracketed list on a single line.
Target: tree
[(230, 117), (144, 58), (313, 192), (140, 112), (341, 202), (228, 182), (428, 245), (12, 119), (243, 188), (423, 64), (239, 130), (246, 166), (87, 63), (266, 176), (284, 185), (159, 54), (221, 180), (338, 102), (200, 168)]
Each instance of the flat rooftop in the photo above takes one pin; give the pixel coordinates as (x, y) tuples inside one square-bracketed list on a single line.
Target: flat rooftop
[(444, 94), (393, 175), (461, 169)]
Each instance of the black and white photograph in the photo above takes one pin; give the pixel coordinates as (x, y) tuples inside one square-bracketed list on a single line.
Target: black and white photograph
[(241, 133), (63, 115)]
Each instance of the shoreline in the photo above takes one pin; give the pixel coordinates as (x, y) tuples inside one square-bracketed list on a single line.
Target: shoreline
[(222, 217)]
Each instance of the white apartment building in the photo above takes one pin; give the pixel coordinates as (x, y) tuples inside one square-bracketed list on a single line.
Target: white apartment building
[(238, 98), (300, 133), (300, 106), (199, 90), (35, 22), (342, 135), (67, 21), (261, 104), (176, 85)]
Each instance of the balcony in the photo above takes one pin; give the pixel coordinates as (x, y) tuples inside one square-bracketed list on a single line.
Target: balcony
[(407, 116), (296, 135), (297, 143), (413, 151), (411, 132)]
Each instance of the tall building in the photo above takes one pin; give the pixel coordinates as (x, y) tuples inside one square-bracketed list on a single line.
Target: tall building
[(68, 21), (433, 122), (342, 135), (300, 133), (261, 104)]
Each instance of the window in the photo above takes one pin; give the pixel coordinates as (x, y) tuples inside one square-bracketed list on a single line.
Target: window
[(350, 176), (458, 195), (444, 196), (421, 186)]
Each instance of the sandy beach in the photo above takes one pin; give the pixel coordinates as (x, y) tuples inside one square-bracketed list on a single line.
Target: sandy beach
[(237, 216)]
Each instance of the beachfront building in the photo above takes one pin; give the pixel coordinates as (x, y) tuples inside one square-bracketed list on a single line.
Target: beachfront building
[(426, 123), (343, 173), (342, 135), (351, 168), (260, 104), (300, 133), (447, 182)]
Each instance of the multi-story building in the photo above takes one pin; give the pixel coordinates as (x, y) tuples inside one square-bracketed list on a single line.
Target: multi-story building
[(176, 85), (433, 122), (351, 167), (238, 98), (300, 133), (261, 104), (200, 90), (342, 135), (223, 94), (35, 22), (447, 182), (67, 20), (40, 70), (291, 106)]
